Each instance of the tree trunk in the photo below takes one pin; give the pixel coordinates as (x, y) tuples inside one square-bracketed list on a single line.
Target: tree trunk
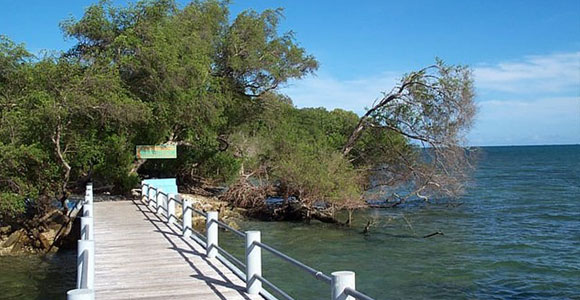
[(349, 221), (67, 168)]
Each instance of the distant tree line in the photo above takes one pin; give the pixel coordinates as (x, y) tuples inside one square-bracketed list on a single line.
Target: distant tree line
[(156, 73)]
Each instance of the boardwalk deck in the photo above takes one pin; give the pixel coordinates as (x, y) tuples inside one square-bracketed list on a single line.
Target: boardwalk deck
[(138, 256)]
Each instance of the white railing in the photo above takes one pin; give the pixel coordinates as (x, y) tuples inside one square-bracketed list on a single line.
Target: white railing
[(85, 252), (342, 283)]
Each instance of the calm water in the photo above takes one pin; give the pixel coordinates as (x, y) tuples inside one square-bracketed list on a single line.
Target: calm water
[(517, 236)]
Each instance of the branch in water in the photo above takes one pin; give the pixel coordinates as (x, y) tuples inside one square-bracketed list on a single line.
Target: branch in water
[(433, 234)]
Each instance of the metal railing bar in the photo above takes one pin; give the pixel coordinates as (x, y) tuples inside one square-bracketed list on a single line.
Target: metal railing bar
[(242, 275), (176, 200), (274, 287), (317, 274), (198, 240), (199, 235), (232, 267), (230, 261), (230, 228), (199, 212), (231, 257), (358, 295), (267, 295)]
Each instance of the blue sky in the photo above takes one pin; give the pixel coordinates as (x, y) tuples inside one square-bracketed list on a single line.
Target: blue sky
[(525, 54)]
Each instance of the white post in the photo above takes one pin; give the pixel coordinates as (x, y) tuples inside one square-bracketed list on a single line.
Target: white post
[(159, 201), (85, 264), (211, 230), (165, 201), (340, 281), (90, 191), (88, 204), (80, 294), (143, 191), (187, 231), (150, 196), (171, 208), (87, 228), (253, 263)]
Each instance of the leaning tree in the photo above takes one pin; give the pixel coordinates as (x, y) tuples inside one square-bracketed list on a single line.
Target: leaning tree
[(432, 109)]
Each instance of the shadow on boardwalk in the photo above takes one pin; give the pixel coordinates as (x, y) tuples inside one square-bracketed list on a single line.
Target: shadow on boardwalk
[(140, 256)]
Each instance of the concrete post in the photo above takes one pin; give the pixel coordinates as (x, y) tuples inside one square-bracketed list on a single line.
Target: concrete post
[(187, 231), (211, 230), (90, 191), (151, 196), (80, 294), (88, 204), (87, 210), (165, 202), (253, 263), (159, 201), (86, 264), (87, 228), (171, 208), (340, 281), (144, 190)]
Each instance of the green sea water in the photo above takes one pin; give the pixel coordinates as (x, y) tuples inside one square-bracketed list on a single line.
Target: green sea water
[(517, 236)]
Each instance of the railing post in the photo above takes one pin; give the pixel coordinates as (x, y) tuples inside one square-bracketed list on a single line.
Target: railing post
[(165, 202), (150, 196), (211, 231), (88, 204), (80, 294), (171, 208), (85, 264), (87, 228), (144, 191), (340, 281), (253, 263), (160, 205), (187, 231)]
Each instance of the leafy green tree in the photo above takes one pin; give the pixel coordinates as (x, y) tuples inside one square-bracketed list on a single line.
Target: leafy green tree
[(198, 74)]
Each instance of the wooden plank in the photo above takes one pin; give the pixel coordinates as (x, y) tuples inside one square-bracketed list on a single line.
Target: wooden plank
[(139, 256)]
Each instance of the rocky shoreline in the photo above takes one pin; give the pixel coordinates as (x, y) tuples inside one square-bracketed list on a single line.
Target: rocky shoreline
[(53, 232)]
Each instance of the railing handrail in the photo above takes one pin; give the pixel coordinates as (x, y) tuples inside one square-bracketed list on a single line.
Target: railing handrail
[(356, 294), (210, 243), (317, 274), (230, 228)]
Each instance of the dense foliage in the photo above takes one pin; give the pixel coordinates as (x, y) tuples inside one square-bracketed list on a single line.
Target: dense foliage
[(155, 73)]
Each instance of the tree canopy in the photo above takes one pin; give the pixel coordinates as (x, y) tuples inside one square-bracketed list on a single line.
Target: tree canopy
[(153, 72)]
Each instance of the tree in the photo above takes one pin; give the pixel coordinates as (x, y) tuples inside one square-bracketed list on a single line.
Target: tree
[(434, 107), (199, 75)]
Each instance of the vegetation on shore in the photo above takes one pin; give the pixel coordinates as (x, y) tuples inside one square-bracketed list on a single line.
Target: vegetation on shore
[(193, 76)]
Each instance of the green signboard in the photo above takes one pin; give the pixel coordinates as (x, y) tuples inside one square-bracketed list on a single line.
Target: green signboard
[(156, 151)]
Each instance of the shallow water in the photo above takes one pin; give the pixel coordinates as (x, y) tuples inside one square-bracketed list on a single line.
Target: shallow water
[(36, 277), (517, 236)]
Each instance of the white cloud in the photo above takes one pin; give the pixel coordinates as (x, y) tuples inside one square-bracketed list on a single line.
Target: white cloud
[(517, 122), (352, 94), (535, 100), (533, 74)]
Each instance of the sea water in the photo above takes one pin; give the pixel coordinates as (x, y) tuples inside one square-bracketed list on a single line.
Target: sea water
[(516, 236)]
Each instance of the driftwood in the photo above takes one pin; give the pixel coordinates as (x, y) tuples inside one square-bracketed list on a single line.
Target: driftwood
[(433, 234)]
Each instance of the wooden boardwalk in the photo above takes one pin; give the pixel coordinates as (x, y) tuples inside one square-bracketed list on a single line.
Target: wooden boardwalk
[(139, 256)]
